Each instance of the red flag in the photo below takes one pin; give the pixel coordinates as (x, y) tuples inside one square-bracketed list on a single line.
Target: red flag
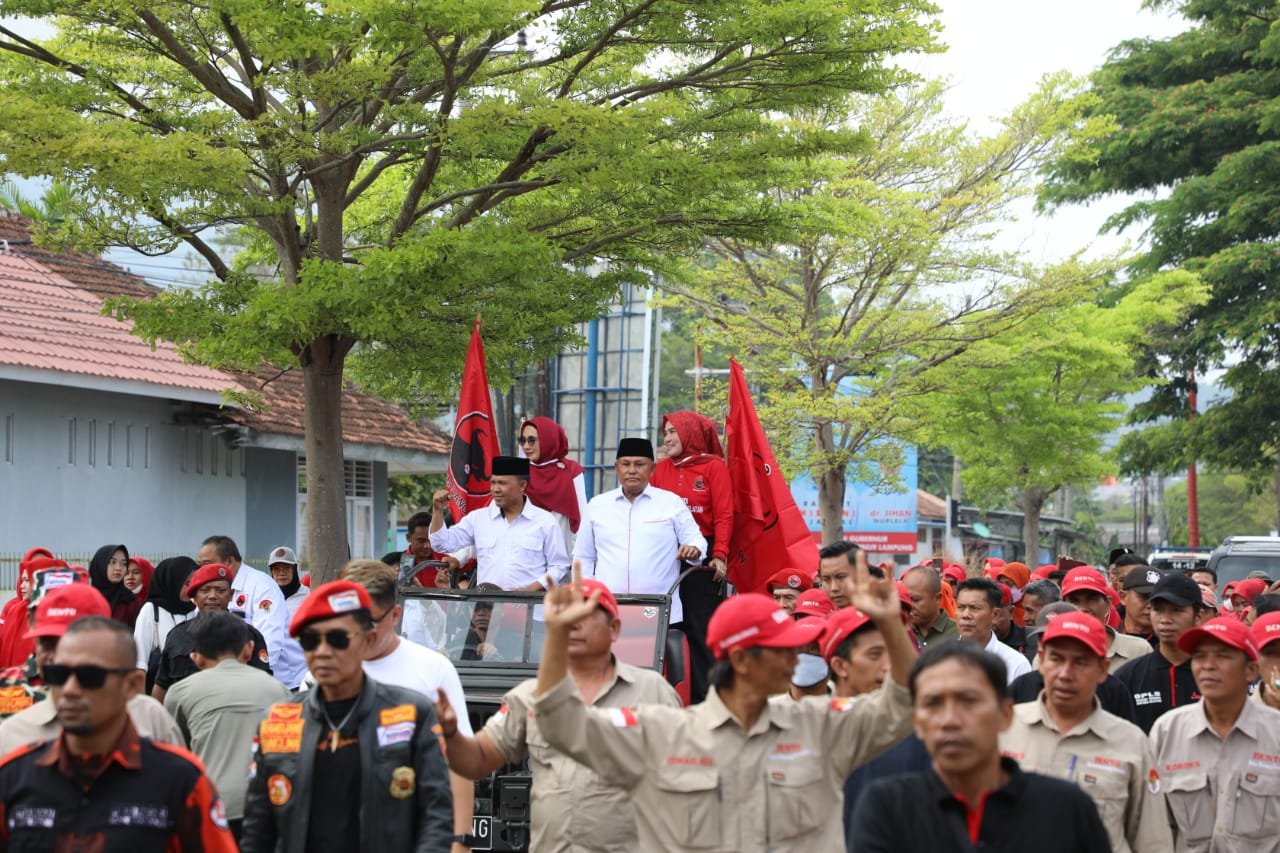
[(475, 440), (768, 531)]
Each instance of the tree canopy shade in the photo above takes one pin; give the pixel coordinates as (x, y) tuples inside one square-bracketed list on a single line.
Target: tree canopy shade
[(888, 273), (1197, 135), (399, 167)]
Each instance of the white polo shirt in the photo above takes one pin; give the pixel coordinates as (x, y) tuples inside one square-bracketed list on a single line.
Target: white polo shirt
[(510, 554)]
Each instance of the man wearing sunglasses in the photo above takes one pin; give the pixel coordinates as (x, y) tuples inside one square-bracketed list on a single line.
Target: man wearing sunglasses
[(54, 614), (209, 588), (352, 764), (99, 785)]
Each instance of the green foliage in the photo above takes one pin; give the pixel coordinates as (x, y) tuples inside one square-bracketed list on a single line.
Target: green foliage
[(1197, 135), (1228, 507), (886, 275)]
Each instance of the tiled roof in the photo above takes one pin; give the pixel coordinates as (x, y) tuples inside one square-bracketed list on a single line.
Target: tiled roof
[(48, 323), (50, 318), (930, 506)]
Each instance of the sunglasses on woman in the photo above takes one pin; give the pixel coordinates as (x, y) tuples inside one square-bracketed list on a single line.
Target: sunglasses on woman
[(89, 676), (335, 637)]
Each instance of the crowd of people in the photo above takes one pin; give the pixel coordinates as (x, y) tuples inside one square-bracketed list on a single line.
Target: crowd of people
[(202, 704)]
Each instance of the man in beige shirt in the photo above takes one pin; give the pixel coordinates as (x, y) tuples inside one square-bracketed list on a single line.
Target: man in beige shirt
[(1266, 630), (573, 810), (54, 614), (735, 772), (1220, 758), (1065, 733)]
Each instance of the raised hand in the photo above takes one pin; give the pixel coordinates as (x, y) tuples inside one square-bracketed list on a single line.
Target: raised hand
[(874, 596), (446, 715), (565, 606)]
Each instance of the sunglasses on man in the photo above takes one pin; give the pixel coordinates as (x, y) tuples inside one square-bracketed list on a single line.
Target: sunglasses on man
[(89, 676), (337, 639)]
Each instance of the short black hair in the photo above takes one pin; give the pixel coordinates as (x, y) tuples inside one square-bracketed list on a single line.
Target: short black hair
[(225, 547), (846, 645), (125, 649), (995, 597), (1266, 603), (1047, 591), (968, 653), (418, 519), (1128, 561), (845, 546), (721, 672), (1210, 572), (219, 633)]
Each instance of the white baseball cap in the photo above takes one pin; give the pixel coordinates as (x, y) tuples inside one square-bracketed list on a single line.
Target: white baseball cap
[(282, 554)]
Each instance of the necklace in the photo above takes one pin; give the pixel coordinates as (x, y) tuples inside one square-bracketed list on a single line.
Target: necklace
[(335, 731)]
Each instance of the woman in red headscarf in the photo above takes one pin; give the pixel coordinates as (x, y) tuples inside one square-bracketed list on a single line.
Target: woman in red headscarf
[(694, 468), (556, 482), (137, 577), (14, 647)]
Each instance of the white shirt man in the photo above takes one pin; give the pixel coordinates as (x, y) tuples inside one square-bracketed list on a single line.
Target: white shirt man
[(518, 546), (635, 536), (256, 596)]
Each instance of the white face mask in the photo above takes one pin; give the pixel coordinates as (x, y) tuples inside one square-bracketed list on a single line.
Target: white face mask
[(810, 670)]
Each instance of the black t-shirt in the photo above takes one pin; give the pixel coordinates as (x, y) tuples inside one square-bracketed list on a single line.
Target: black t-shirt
[(175, 660), (1112, 694), (333, 826)]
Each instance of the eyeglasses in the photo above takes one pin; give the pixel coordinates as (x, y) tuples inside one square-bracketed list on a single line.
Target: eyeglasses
[(335, 637), (528, 439), (385, 614), (89, 676)]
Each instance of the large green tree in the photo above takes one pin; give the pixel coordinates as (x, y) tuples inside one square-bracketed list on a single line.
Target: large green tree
[(1228, 507), (888, 274), (396, 168), (1029, 412), (1197, 138)]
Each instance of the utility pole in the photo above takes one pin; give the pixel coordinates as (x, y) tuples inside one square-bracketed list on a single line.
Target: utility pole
[(1193, 498)]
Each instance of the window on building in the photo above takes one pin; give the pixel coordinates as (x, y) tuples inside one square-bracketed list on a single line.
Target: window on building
[(358, 487), (9, 439), (71, 441)]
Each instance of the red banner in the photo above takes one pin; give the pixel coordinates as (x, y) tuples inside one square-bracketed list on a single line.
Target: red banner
[(769, 533), (475, 439)]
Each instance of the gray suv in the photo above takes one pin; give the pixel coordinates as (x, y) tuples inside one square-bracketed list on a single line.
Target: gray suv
[(1237, 556)]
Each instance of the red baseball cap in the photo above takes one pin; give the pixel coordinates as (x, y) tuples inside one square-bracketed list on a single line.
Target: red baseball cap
[(1250, 589), (208, 574), (838, 627), (904, 597), (1043, 572), (954, 572), (328, 600), (813, 603), (1266, 629), (64, 605), (1078, 626), (1225, 629), (791, 579), (1084, 579), (752, 620), (607, 602)]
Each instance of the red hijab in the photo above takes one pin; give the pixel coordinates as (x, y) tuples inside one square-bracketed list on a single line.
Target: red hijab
[(551, 477), (15, 648), (147, 570), (698, 438)]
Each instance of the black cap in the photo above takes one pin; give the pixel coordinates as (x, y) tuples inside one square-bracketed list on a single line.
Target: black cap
[(1141, 579), (513, 466), (1177, 589), (1117, 553), (635, 447)]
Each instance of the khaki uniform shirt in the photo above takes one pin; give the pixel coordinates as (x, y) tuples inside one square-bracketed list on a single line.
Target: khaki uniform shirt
[(573, 811), (944, 628), (699, 781), (1224, 795), (1109, 758), (40, 723)]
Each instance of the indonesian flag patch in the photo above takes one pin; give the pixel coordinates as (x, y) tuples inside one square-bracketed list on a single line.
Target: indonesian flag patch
[(623, 718)]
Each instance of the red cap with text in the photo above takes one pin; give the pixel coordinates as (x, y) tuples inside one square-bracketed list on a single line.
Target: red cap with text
[(328, 600), (208, 574), (1085, 579), (753, 620), (64, 605), (608, 603), (1250, 589), (1227, 630), (840, 625), (1266, 629), (813, 603), (1078, 626), (791, 579)]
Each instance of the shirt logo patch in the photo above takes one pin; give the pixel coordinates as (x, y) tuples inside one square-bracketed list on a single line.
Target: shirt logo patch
[(26, 817), (395, 733), (241, 600), (263, 656), (279, 789), (154, 817), (402, 783), (280, 735), (398, 714), (1153, 781), (265, 605), (1153, 697), (345, 601), (13, 700), (623, 718)]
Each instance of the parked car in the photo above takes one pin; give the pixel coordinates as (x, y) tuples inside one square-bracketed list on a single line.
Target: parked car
[(1237, 556), (1185, 559)]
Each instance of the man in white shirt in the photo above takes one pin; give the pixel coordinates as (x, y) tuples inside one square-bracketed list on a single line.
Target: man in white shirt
[(976, 602), (257, 598), (519, 547), (635, 536), (402, 663)]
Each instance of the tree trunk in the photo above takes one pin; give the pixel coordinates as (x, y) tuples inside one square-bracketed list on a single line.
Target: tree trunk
[(831, 504), (327, 547), (1032, 502)]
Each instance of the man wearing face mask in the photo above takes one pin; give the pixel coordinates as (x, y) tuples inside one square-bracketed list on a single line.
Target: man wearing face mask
[(812, 674)]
